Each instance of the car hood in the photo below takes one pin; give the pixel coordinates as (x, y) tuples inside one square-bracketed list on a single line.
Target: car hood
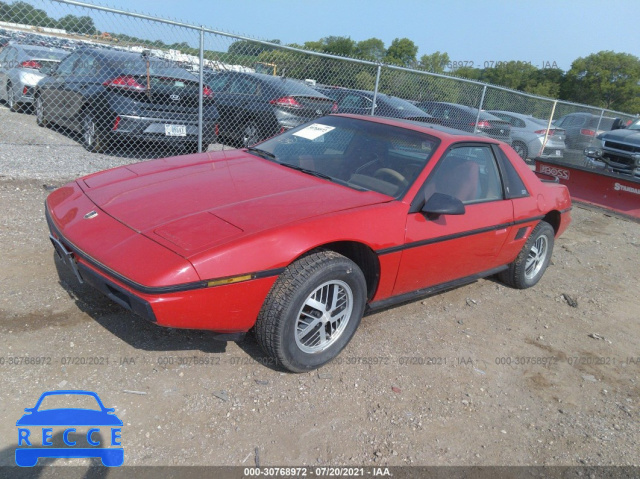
[(191, 203), (628, 136)]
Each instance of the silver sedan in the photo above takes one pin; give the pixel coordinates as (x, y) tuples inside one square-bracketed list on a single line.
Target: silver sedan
[(20, 67), (528, 133)]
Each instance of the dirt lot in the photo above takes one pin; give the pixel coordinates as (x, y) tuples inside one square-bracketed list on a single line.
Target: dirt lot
[(435, 382)]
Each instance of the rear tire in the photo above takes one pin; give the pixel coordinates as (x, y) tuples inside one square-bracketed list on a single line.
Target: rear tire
[(40, 119), (11, 99), (533, 259), (312, 311), (521, 149), (91, 138), (250, 134)]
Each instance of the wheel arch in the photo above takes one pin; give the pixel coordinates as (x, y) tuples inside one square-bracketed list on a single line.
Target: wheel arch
[(360, 254), (553, 218)]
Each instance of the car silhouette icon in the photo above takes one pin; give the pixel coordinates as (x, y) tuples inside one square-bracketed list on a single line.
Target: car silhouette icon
[(69, 418)]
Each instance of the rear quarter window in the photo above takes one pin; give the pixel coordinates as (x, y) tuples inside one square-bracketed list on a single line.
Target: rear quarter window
[(513, 185)]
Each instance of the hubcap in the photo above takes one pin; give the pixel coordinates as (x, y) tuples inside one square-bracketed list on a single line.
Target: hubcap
[(324, 316), (536, 257), (250, 135)]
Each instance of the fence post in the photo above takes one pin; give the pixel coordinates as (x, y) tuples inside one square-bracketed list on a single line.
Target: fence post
[(597, 127), (546, 133), (484, 90), (375, 91), (201, 87)]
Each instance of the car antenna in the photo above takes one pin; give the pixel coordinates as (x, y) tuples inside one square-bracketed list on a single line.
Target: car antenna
[(145, 55)]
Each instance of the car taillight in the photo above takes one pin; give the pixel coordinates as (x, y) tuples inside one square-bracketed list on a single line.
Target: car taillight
[(217, 129), (25, 90), (126, 82), (482, 124), (542, 132), (587, 132), (116, 123), (334, 107), (31, 64), (286, 101), (207, 92)]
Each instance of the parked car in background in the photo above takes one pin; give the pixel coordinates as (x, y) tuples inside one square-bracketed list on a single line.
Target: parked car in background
[(361, 101), (581, 128), (528, 135), (617, 150), (466, 119), (108, 95), (21, 70), (298, 236), (254, 106)]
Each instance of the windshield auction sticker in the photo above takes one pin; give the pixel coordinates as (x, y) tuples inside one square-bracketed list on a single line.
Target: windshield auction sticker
[(314, 131)]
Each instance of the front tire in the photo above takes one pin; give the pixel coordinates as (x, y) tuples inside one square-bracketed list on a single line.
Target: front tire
[(312, 311), (533, 259)]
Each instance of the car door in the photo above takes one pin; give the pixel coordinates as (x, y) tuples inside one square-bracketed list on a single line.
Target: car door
[(53, 93), (244, 94), (75, 88), (445, 248), (219, 84)]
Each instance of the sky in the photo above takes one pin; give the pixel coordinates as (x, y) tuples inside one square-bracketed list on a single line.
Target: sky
[(541, 32)]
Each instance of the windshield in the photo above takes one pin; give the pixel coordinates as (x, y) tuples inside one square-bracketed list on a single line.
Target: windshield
[(45, 54), (361, 154)]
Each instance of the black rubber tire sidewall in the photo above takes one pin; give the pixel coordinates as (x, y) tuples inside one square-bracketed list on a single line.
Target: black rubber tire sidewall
[(515, 274), (284, 347)]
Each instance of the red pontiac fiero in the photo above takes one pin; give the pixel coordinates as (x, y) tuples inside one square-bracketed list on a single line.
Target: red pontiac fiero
[(297, 236)]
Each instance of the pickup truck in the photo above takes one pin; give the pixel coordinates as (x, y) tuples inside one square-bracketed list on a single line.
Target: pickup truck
[(618, 151)]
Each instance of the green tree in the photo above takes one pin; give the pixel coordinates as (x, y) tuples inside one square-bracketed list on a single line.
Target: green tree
[(74, 24), (436, 62), (402, 51), (372, 49), (244, 47), (606, 79)]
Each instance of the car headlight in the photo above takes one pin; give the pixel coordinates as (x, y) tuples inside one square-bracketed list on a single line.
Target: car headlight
[(593, 152), (636, 159)]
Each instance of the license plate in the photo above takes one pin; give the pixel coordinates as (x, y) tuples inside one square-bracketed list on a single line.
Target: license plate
[(175, 130)]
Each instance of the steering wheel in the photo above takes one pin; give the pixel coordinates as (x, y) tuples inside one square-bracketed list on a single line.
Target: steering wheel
[(388, 173)]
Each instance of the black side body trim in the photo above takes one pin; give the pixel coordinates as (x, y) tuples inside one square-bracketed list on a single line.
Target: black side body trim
[(431, 290), (439, 239)]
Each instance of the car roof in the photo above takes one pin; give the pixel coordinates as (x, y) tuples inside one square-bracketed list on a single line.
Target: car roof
[(285, 84), (28, 46)]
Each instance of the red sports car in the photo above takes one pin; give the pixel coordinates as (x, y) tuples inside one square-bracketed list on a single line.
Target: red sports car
[(296, 237)]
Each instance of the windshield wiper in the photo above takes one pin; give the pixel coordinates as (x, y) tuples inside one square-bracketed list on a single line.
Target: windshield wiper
[(262, 153), (325, 177), (309, 172)]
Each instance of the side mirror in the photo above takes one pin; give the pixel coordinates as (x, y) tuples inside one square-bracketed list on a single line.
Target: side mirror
[(440, 204)]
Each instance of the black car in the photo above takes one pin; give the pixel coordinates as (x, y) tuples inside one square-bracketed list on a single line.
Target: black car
[(108, 95), (617, 150), (582, 128), (254, 106), (466, 118), (361, 101)]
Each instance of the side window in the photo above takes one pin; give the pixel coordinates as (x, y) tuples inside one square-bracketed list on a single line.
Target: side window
[(517, 122), (84, 66), (353, 101), (66, 66), (513, 184), (217, 83), (243, 86), (469, 173)]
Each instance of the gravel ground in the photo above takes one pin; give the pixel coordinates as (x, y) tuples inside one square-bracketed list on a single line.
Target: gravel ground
[(481, 375)]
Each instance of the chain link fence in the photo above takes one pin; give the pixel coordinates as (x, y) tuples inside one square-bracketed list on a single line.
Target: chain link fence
[(132, 85)]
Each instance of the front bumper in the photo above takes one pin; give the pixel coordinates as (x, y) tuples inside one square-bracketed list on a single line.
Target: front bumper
[(223, 308)]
